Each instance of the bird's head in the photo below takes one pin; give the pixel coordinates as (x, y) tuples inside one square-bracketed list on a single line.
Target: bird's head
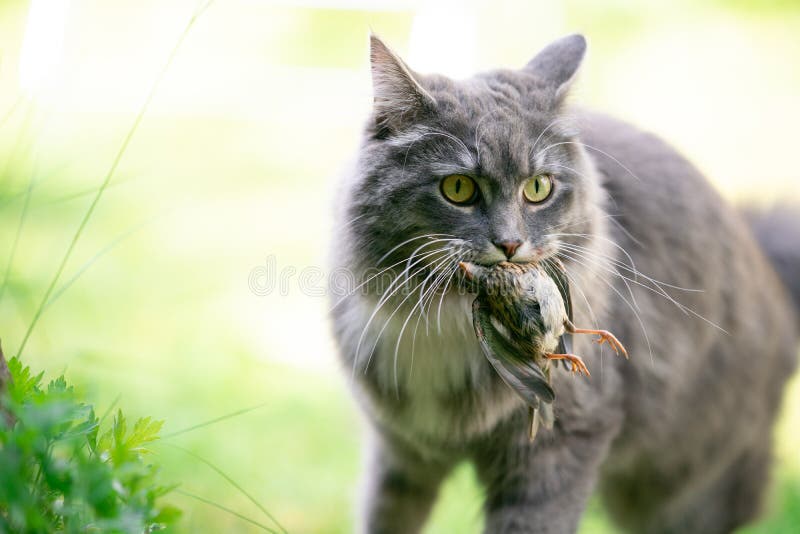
[(500, 279)]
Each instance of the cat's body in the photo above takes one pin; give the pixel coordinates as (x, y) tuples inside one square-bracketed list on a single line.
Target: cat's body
[(678, 438)]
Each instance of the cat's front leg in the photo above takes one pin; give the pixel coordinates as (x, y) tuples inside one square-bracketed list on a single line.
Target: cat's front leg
[(398, 489), (540, 487)]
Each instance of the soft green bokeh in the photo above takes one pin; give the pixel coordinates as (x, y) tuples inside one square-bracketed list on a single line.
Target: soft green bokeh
[(234, 167)]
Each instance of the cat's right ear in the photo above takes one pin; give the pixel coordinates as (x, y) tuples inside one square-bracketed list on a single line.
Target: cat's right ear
[(558, 63), (399, 99)]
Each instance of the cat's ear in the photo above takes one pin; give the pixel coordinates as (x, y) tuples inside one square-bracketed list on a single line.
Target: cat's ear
[(558, 63), (399, 99)]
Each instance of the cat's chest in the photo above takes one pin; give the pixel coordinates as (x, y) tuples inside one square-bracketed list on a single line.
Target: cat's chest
[(433, 377), (430, 353)]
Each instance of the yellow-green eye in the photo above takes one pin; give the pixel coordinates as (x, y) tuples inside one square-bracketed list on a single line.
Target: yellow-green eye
[(459, 189), (538, 188)]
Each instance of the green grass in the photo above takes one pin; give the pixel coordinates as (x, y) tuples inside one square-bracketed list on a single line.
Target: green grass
[(64, 469)]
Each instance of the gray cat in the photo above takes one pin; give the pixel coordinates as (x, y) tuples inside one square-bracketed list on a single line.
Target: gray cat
[(497, 167)]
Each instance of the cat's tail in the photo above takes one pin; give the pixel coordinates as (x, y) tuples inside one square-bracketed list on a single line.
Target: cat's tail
[(778, 233)]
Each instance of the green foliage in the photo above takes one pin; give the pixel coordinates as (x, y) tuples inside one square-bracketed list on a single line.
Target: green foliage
[(60, 473)]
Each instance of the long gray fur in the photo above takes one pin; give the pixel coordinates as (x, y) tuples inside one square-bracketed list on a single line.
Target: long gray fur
[(678, 438)]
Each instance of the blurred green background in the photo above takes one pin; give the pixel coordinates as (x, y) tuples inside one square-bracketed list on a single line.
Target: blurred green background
[(233, 169)]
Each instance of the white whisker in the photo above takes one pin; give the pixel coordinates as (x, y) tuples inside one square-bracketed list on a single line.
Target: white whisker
[(636, 273), (436, 132), (405, 274), (368, 280), (377, 308), (436, 285), (390, 291), (571, 277), (620, 295), (430, 236), (582, 175), (433, 272), (411, 257), (627, 233), (590, 147), (580, 253), (552, 123), (441, 299), (351, 221), (419, 317), (607, 240), (479, 138), (659, 291)]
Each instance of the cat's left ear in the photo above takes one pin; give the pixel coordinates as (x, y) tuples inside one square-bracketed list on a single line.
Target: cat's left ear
[(558, 63), (400, 99)]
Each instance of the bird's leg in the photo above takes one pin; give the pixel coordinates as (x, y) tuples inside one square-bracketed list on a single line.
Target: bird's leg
[(576, 363), (605, 337)]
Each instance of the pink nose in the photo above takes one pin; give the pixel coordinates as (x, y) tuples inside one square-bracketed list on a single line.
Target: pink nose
[(509, 247)]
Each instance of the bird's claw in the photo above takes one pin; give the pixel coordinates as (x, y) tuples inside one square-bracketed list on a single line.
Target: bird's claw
[(607, 337), (575, 362)]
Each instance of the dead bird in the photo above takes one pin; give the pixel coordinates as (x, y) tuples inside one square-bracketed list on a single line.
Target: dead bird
[(531, 305)]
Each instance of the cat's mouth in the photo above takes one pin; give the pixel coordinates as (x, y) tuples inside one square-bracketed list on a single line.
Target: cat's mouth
[(528, 253)]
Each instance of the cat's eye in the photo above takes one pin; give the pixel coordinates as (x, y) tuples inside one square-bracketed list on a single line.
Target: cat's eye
[(538, 188), (459, 189)]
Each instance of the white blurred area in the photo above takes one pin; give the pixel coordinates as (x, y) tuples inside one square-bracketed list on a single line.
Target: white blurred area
[(714, 87), (286, 85), (113, 49), (43, 46)]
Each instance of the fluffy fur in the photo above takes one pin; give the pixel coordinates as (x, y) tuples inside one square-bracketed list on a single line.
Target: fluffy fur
[(678, 438)]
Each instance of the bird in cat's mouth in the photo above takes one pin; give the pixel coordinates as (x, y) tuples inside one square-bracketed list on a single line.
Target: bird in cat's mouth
[(522, 317)]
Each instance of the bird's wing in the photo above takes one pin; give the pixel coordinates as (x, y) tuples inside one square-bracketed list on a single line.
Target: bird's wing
[(519, 372), (558, 273)]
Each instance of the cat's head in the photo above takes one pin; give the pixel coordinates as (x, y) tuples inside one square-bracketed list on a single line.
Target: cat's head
[(485, 169)]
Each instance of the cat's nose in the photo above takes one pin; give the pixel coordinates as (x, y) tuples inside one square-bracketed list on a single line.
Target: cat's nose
[(509, 247)]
